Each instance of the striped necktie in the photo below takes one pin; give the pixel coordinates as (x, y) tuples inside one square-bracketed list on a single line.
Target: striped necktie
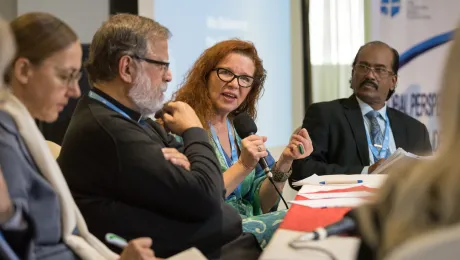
[(375, 131)]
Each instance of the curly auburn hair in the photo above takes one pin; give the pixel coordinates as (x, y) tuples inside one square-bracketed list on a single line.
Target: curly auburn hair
[(194, 89)]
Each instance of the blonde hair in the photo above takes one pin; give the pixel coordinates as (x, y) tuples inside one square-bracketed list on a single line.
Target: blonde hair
[(7, 49), (422, 196)]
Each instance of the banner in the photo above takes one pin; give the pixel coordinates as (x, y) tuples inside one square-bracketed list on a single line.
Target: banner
[(420, 30)]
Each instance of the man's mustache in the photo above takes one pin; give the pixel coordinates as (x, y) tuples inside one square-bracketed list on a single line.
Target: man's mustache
[(370, 82)]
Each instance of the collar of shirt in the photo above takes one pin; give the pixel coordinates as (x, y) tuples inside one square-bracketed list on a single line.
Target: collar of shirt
[(365, 108), (131, 113)]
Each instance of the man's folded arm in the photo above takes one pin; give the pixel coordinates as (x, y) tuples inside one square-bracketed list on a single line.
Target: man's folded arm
[(150, 181)]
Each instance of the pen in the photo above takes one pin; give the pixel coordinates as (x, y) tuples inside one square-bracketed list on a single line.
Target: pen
[(300, 146), (116, 240), (301, 150), (341, 182)]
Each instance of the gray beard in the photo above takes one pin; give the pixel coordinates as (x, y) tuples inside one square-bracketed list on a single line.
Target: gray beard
[(146, 97)]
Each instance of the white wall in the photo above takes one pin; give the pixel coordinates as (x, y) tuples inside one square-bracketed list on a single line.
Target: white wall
[(297, 81), (297, 68), (84, 16), (8, 9)]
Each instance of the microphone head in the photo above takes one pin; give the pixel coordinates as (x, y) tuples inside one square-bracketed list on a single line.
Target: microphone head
[(244, 125), (159, 114)]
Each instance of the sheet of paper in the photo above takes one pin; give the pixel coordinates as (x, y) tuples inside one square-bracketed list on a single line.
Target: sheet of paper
[(307, 180), (330, 203), (351, 194), (317, 188), (399, 156), (189, 254)]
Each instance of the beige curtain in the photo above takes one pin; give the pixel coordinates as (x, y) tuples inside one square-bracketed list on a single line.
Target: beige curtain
[(336, 33)]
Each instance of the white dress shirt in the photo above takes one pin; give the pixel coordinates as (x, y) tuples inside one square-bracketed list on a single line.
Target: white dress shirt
[(365, 108)]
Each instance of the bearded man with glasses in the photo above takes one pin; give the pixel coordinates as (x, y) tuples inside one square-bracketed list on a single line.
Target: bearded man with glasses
[(126, 173), (356, 134)]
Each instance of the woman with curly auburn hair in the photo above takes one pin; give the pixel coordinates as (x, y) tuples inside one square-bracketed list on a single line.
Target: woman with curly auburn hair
[(228, 79)]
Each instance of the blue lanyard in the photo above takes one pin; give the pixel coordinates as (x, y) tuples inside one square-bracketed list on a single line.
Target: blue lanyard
[(234, 158), (386, 143), (104, 101)]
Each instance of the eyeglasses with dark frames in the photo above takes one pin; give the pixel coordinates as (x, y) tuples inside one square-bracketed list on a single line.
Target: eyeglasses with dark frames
[(380, 72), (164, 64), (226, 75)]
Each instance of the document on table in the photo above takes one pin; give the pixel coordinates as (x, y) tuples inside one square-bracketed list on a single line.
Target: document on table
[(318, 188), (189, 254), (329, 195), (398, 156), (330, 203)]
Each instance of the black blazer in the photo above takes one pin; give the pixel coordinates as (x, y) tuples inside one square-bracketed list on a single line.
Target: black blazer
[(339, 140)]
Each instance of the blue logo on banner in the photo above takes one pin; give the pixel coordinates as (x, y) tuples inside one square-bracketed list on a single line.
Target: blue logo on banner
[(424, 46), (390, 7)]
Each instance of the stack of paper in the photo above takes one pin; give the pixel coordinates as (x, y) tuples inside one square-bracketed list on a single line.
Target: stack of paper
[(331, 195), (318, 188), (398, 156), (334, 199), (330, 203), (314, 185)]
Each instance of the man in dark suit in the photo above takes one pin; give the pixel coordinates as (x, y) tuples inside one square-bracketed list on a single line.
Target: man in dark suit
[(354, 135)]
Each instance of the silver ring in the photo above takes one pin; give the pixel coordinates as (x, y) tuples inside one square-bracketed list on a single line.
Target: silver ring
[(259, 148)]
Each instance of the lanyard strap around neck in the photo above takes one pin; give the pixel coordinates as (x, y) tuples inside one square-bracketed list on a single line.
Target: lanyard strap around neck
[(234, 155), (104, 101), (386, 143)]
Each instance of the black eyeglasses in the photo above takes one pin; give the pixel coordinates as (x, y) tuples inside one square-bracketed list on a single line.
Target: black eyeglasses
[(164, 64), (380, 72), (226, 75)]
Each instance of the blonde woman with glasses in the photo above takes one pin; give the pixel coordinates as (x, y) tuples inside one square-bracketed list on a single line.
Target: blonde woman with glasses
[(38, 216)]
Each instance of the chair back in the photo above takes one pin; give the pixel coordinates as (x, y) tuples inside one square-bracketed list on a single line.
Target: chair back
[(55, 148)]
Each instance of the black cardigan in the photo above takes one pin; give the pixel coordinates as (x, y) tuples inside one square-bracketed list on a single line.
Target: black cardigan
[(122, 183)]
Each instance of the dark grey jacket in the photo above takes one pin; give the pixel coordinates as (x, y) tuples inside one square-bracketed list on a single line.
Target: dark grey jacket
[(27, 186)]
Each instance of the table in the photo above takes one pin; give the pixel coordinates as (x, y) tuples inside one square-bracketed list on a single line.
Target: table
[(342, 248), (301, 219)]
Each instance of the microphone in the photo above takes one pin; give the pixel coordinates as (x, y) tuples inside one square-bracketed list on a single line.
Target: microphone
[(346, 224), (245, 126)]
